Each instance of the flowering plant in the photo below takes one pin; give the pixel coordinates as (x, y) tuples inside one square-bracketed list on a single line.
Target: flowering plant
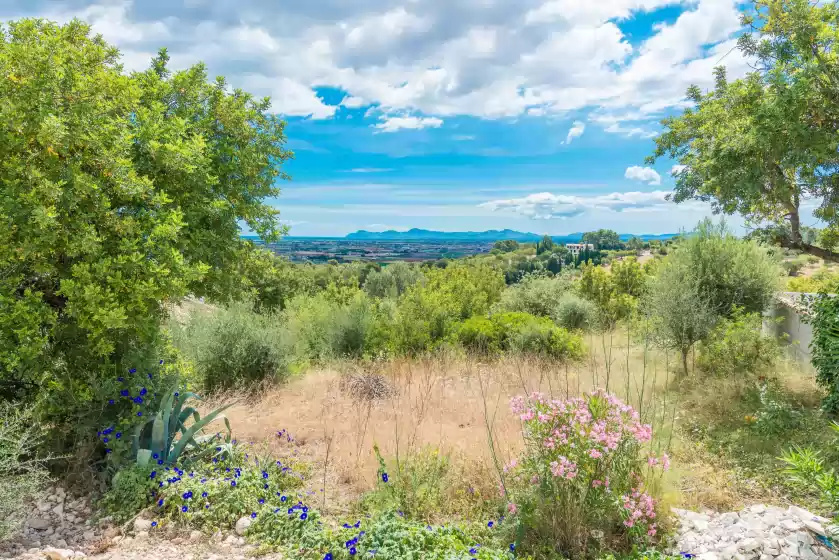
[(580, 482)]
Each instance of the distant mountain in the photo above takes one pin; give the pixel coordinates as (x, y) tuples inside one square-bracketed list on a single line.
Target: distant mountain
[(416, 234)]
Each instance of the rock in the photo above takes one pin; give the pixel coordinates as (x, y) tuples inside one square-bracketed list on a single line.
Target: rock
[(141, 525), (243, 524), (195, 536), (230, 540), (59, 509), (141, 535), (749, 545), (89, 535), (38, 523), (815, 527)]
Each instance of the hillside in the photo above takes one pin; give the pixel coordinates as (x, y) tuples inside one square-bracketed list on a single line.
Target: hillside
[(491, 235)]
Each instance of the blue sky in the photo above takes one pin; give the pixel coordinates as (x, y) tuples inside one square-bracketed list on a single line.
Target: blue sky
[(454, 115)]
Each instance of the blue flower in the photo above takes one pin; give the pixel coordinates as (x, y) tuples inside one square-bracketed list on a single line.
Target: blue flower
[(124, 393), (283, 499), (108, 450), (187, 495), (149, 375), (352, 551), (160, 502), (265, 486), (154, 523), (264, 474), (161, 362), (139, 414), (120, 379), (304, 515), (104, 440), (119, 435), (203, 494), (132, 370), (327, 556), (490, 524), (232, 483), (138, 400), (261, 500), (253, 515), (110, 401), (143, 391), (153, 474), (512, 547), (473, 550), (384, 477), (160, 461), (155, 456), (184, 509)]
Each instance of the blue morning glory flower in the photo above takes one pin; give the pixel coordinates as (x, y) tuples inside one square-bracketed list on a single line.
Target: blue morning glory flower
[(384, 477)]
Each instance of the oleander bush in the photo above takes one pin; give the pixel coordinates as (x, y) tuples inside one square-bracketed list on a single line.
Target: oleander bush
[(584, 484)]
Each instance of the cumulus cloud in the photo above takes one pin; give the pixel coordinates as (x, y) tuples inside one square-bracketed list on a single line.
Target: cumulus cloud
[(547, 205), (370, 170), (576, 131), (435, 58), (644, 174), (392, 124), (676, 169)]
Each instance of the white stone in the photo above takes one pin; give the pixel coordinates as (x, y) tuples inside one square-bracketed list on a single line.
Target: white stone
[(89, 535), (814, 527), (243, 524), (749, 545), (142, 525), (141, 535), (59, 509), (195, 536)]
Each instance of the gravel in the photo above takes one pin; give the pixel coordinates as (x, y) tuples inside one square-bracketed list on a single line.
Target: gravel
[(758, 532)]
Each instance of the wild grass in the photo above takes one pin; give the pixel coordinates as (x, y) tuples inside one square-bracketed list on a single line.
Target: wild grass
[(455, 409)]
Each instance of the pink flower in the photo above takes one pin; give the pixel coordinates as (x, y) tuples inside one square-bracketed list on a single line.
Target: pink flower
[(511, 508), (665, 462), (595, 454)]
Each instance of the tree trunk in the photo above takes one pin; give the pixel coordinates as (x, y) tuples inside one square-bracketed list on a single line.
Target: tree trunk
[(796, 242), (685, 361)]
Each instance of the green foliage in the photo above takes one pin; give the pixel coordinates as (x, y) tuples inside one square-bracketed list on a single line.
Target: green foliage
[(737, 348), (579, 456), (506, 246), (545, 245), (119, 195), (233, 346), (518, 332), (764, 144), (824, 280), (808, 468), (535, 294), (21, 468), (680, 312), (154, 438), (572, 312), (824, 348), (130, 492), (612, 295), (603, 239), (730, 272), (393, 280)]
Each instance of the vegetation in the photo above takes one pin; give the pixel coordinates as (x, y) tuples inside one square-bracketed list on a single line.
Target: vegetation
[(123, 198)]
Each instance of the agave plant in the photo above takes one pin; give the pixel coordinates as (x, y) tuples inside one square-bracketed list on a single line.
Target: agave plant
[(166, 436)]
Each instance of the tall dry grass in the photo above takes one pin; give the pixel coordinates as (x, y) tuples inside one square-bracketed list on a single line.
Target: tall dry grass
[(454, 405)]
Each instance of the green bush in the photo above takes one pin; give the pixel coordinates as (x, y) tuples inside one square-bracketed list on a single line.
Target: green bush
[(518, 332), (535, 294), (234, 346), (737, 348), (21, 469), (824, 318), (572, 312), (393, 280), (810, 470)]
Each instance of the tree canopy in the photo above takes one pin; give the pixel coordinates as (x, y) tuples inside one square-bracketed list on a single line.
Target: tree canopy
[(603, 239), (118, 193), (765, 146)]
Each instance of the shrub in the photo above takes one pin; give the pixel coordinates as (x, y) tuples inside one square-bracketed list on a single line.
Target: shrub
[(824, 280), (393, 280), (234, 346), (21, 469), (808, 469), (824, 318), (535, 294), (573, 312), (579, 487), (519, 332), (737, 348)]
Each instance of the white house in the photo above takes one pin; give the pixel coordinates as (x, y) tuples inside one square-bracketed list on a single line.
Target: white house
[(576, 248)]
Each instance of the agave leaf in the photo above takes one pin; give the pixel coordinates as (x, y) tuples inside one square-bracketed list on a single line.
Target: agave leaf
[(159, 436), (190, 433), (143, 457), (176, 420)]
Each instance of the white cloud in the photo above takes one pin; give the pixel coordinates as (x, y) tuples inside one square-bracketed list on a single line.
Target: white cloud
[(392, 124), (370, 170), (437, 58), (576, 131), (547, 205), (630, 131), (644, 174), (676, 169)]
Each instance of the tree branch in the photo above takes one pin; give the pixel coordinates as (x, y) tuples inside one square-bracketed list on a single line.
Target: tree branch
[(811, 249)]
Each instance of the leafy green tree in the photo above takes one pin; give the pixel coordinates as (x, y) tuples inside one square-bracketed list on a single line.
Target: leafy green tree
[(764, 145), (603, 239), (635, 244), (628, 277), (119, 193), (546, 245), (506, 246), (393, 280)]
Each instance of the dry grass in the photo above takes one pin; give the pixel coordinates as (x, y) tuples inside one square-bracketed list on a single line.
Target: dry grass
[(453, 405), (448, 403)]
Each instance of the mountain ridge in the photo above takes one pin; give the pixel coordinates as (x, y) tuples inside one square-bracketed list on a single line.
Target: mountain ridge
[(489, 235)]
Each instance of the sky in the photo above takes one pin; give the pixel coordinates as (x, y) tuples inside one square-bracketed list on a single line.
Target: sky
[(453, 115)]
